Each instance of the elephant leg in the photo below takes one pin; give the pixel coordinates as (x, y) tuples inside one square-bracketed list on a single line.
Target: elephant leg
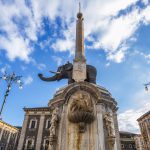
[(70, 80)]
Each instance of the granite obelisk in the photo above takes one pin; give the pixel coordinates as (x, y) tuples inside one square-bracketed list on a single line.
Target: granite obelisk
[(79, 64)]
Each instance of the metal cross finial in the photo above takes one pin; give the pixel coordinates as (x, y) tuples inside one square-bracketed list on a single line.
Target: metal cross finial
[(79, 7)]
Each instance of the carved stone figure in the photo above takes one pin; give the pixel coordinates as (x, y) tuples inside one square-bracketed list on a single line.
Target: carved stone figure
[(65, 72), (81, 103), (81, 109), (54, 121), (53, 127), (109, 124)]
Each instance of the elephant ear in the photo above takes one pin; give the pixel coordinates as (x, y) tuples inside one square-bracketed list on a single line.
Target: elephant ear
[(68, 66)]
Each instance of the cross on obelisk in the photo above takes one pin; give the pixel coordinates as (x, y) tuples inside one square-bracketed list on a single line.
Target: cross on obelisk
[(79, 64)]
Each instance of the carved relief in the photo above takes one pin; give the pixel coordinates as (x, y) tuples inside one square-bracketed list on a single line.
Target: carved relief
[(81, 109), (110, 130), (109, 124), (81, 102), (53, 127), (54, 121)]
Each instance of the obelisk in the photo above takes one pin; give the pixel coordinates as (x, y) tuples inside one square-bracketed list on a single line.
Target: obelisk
[(79, 64)]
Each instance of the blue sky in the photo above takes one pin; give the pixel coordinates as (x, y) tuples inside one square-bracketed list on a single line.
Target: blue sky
[(38, 36)]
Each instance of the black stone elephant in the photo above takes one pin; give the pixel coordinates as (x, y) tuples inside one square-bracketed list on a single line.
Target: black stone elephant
[(65, 72)]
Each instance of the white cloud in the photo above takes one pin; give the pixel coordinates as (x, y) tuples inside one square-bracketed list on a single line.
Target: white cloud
[(63, 45), (119, 33), (68, 42), (23, 68), (16, 47), (101, 19), (114, 33), (4, 69), (145, 56), (39, 66), (117, 56), (146, 15), (58, 60), (120, 29), (107, 64), (98, 13), (142, 97), (44, 44), (114, 39), (28, 80), (145, 1), (128, 119)]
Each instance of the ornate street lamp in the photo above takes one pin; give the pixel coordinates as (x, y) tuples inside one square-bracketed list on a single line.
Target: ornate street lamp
[(146, 86), (10, 79)]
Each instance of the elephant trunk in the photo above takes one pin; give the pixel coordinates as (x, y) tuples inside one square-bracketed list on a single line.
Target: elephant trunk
[(53, 78)]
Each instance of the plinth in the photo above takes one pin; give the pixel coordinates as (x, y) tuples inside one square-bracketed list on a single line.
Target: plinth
[(87, 118)]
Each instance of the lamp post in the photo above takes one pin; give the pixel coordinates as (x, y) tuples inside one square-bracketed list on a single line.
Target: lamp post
[(10, 80), (146, 86)]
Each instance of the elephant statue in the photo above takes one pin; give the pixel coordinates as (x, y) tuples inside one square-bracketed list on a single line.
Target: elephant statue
[(65, 72)]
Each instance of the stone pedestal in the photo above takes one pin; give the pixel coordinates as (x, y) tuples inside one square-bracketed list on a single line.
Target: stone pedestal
[(79, 70), (83, 124)]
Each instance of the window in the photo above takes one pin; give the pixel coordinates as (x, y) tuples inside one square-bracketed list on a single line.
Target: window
[(130, 145), (29, 144), (46, 144), (5, 133), (10, 148), (1, 148), (13, 135), (122, 145), (33, 124), (48, 124)]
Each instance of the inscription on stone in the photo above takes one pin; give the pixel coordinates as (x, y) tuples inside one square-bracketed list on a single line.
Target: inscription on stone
[(79, 71)]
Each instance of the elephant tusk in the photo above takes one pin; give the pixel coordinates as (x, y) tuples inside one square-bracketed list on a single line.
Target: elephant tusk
[(54, 72)]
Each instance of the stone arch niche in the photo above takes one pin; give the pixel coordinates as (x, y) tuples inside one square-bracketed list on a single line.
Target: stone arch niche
[(78, 124), (82, 86), (85, 119), (81, 121)]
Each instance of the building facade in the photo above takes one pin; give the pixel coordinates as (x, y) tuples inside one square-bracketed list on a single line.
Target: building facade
[(9, 136), (127, 141), (144, 123), (35, 129), (139, 142)]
